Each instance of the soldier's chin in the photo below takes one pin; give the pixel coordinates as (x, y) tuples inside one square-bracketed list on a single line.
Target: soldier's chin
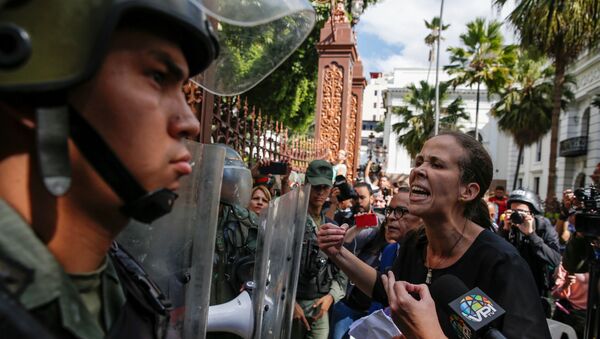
[(174, 186)]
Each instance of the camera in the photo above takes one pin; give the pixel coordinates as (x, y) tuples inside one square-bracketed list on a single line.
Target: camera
[(346, 191), (587, 217), (516, 218)]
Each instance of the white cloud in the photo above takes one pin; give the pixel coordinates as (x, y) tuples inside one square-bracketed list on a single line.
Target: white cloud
[(402, 23)]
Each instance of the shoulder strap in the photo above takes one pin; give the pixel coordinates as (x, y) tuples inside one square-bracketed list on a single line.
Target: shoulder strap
[(137, 283)]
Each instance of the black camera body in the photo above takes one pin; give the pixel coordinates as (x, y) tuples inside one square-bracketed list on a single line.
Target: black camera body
[(517, 218), (587, 218)]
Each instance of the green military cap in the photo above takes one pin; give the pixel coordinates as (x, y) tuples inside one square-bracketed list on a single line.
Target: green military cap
[(319, 172)]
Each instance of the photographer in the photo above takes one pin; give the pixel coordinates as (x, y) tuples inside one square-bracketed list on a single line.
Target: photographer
[(341, 202), (565, 225), (533, 235)]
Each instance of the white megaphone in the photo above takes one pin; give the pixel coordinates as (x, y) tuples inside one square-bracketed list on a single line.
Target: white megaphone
[(235, 316)]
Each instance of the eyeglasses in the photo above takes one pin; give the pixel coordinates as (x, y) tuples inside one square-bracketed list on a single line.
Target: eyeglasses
[(522, 211), (399, 211)]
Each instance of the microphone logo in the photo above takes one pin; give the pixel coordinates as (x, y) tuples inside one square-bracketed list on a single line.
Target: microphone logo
[(477, 307)]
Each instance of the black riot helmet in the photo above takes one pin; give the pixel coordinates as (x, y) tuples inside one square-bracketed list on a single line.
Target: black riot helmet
[(527, 197), (52, 45)]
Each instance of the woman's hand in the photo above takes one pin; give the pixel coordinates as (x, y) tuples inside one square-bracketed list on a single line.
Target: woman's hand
[(331, 238), (416, 318)]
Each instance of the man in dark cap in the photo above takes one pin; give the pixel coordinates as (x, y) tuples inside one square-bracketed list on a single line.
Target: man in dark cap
[(320, 283)]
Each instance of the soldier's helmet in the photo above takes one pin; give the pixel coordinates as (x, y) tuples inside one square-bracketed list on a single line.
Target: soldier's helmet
[(51, 45), (236, 188)]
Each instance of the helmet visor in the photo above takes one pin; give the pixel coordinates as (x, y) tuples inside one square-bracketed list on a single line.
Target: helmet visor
[(255, 37)]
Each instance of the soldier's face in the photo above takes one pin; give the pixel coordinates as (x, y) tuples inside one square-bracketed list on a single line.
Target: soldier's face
[(318, 195), (135, 102)]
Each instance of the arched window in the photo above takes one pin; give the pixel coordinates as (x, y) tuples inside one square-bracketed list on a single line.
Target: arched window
[(585, 123)]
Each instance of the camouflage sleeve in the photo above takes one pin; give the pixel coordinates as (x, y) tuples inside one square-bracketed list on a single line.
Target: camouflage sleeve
[(338, 286)]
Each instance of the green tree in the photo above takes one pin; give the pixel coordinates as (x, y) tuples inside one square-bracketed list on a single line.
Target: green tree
[(432, 38), (562, 30), (596, 101), (483, 60), (418, 117), (289, 93), (524, 109)]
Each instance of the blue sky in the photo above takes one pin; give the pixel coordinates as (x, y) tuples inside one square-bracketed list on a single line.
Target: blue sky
[(391, 32)]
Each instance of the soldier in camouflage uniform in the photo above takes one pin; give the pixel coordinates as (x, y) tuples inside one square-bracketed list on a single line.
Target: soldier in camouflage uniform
[(320, 283)]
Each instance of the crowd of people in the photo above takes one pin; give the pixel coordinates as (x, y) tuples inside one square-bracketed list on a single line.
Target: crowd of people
[(500, 242), (93, 124)]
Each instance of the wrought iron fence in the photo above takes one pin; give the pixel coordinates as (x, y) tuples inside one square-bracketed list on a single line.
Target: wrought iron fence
[(230, 121)]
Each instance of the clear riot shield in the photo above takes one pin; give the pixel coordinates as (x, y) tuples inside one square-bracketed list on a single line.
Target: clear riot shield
[(174, 249), (278, 263)]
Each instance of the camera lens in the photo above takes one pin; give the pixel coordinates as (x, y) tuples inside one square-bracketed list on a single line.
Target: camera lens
[(516, 218)]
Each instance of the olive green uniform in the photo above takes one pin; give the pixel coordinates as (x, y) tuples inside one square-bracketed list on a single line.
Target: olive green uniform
[(318, 277), (80, 306)]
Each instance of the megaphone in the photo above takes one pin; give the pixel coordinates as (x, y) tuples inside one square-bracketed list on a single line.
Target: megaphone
[(235, 316)]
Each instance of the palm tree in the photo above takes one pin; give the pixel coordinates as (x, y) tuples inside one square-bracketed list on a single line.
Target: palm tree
[(432, 37), (417, 125), (562, 30), (525, 108), (484, 60), (596, 101)]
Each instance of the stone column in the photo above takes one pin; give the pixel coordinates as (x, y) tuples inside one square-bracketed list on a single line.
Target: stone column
[(339, 95)]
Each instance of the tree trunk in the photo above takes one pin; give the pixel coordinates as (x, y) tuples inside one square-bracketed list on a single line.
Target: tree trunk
[(518, 167), (559, 81), (477, 114)]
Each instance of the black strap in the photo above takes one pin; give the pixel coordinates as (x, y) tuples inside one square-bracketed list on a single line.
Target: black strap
[(139, 204), (104, 160), (137, 282)]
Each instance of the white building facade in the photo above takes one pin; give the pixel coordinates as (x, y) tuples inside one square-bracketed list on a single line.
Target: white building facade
[(373, 113), (398, 160), (578, 138)]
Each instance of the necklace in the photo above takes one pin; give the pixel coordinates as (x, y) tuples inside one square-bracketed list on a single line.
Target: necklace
[(430, 267)]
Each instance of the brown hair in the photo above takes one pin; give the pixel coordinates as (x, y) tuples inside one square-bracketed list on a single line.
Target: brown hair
[(262, 188), (475, 166)]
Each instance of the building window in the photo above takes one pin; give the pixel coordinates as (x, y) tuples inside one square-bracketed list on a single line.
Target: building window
[(585, 123), (375, 92), (374, 117), (538, 151), (536, 185), (374, 105), (520, 183), (522, 158)]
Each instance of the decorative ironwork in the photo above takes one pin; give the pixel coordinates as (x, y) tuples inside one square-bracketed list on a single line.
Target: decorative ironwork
[(573, 147), (253, 134), (331, 111)]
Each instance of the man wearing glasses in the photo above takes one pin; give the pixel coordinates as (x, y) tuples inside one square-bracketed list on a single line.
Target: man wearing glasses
[(397, 223), (533, 235)]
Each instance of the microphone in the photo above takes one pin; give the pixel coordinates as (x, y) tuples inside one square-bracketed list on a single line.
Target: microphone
[(471, 311)]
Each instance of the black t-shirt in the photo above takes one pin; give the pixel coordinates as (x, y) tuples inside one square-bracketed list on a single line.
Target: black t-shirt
[(493, 265)]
